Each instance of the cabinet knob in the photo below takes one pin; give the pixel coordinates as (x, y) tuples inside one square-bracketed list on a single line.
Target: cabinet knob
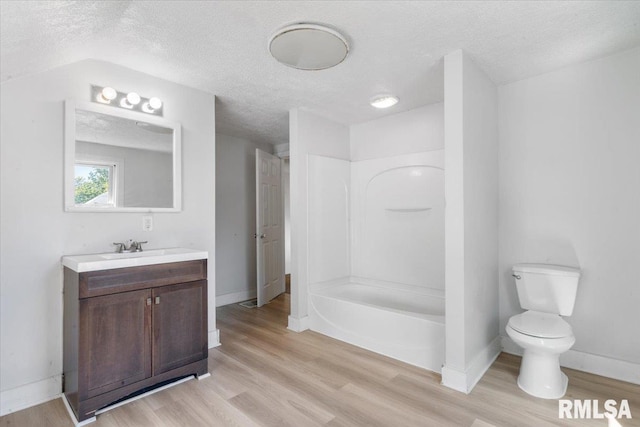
[(149, 301), (157, 300)]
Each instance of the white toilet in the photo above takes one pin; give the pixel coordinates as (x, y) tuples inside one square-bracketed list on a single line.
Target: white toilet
[(546, 292)]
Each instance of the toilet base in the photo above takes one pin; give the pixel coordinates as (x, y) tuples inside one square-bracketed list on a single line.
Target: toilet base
[(565, 383), (540, 375)]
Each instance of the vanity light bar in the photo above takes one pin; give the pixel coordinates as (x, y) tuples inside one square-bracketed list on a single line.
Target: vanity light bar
[(131, 101)]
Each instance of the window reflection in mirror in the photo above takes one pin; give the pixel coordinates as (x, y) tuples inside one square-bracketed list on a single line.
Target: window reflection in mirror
[(94, 184)]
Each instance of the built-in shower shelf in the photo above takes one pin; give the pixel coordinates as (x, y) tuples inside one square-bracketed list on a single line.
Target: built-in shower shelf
[(407, 209)]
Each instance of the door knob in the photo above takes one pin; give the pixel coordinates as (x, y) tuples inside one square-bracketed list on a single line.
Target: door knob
[(262, 236)]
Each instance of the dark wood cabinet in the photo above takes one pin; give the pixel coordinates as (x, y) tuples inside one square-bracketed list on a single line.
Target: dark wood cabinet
[(117, 341), (179, 326), (131, 328)]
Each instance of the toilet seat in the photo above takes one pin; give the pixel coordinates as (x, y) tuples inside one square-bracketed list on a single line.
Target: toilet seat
[(540, 325)]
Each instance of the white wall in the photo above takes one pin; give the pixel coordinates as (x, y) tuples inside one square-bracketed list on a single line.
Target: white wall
[(308, 134), (570, 194), (236, 218), (471, 223), (36, 232), (286, 183), (413, 131), (329, 195)]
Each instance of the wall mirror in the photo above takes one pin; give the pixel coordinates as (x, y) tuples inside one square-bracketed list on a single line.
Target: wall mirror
[(120, 161)]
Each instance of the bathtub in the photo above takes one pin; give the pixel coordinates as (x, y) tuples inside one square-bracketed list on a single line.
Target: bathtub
[(402, 322)]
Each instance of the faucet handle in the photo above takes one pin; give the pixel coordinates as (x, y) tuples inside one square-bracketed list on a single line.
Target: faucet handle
[(120, 247), (139, 246)]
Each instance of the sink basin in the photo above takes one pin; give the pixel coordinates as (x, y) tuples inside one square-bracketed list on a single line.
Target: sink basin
[(152, 252), (108, 261)]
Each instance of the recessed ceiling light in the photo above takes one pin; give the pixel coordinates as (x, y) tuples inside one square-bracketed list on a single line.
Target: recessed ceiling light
[(308, 47), (383, 101)]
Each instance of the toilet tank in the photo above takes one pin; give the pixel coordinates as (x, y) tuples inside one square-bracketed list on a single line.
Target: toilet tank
[(547, 288)]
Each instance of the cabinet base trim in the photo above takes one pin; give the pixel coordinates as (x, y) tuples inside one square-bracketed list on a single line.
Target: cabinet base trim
[(140, 396), (124, 402), (74, 420), (87, 407)]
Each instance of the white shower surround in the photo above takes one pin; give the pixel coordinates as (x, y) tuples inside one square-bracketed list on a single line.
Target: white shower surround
[(397, 220), (385, 298)]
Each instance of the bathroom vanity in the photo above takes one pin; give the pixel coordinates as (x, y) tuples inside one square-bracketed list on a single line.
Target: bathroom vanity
[(132, 322)]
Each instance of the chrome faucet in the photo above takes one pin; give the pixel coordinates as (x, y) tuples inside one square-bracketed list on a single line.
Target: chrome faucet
[(137, 246), (129, 246)]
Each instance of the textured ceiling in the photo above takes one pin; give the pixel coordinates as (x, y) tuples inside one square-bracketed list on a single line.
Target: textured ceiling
[(396, 46)]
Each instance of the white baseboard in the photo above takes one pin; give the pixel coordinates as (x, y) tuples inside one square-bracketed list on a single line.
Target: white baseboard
[(298, 325), (454, 379), (32, 394), (235, 297), (587, 362), (465, 381), (482, 362), (214, 338)]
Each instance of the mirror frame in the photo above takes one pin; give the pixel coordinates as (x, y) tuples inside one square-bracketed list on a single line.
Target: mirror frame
[(70, 154)]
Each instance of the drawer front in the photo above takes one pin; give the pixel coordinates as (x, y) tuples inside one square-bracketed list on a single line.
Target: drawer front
[(105, 282)]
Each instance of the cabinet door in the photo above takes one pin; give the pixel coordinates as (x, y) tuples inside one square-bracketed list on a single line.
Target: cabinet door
[(115, 341), (179, 325)]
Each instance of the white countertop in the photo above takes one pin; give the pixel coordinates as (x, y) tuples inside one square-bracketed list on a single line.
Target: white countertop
[(108, 261)]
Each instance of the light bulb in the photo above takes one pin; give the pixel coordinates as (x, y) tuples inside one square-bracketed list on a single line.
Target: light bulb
[(106, 95), (133, 98), (155, 103), (109, 93), (130, 100), (152, 105), (384, 101)]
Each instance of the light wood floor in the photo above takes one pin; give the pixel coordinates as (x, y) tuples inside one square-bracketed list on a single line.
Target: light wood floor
[(265, 375)]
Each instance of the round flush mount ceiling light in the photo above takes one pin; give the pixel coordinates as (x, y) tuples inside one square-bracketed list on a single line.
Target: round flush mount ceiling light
[(383, 101), (308, 47)]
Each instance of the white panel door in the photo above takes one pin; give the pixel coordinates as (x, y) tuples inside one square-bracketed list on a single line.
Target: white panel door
[(270, 227)]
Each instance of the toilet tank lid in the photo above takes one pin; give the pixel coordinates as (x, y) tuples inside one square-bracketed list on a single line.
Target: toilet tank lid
[(556, 270)]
